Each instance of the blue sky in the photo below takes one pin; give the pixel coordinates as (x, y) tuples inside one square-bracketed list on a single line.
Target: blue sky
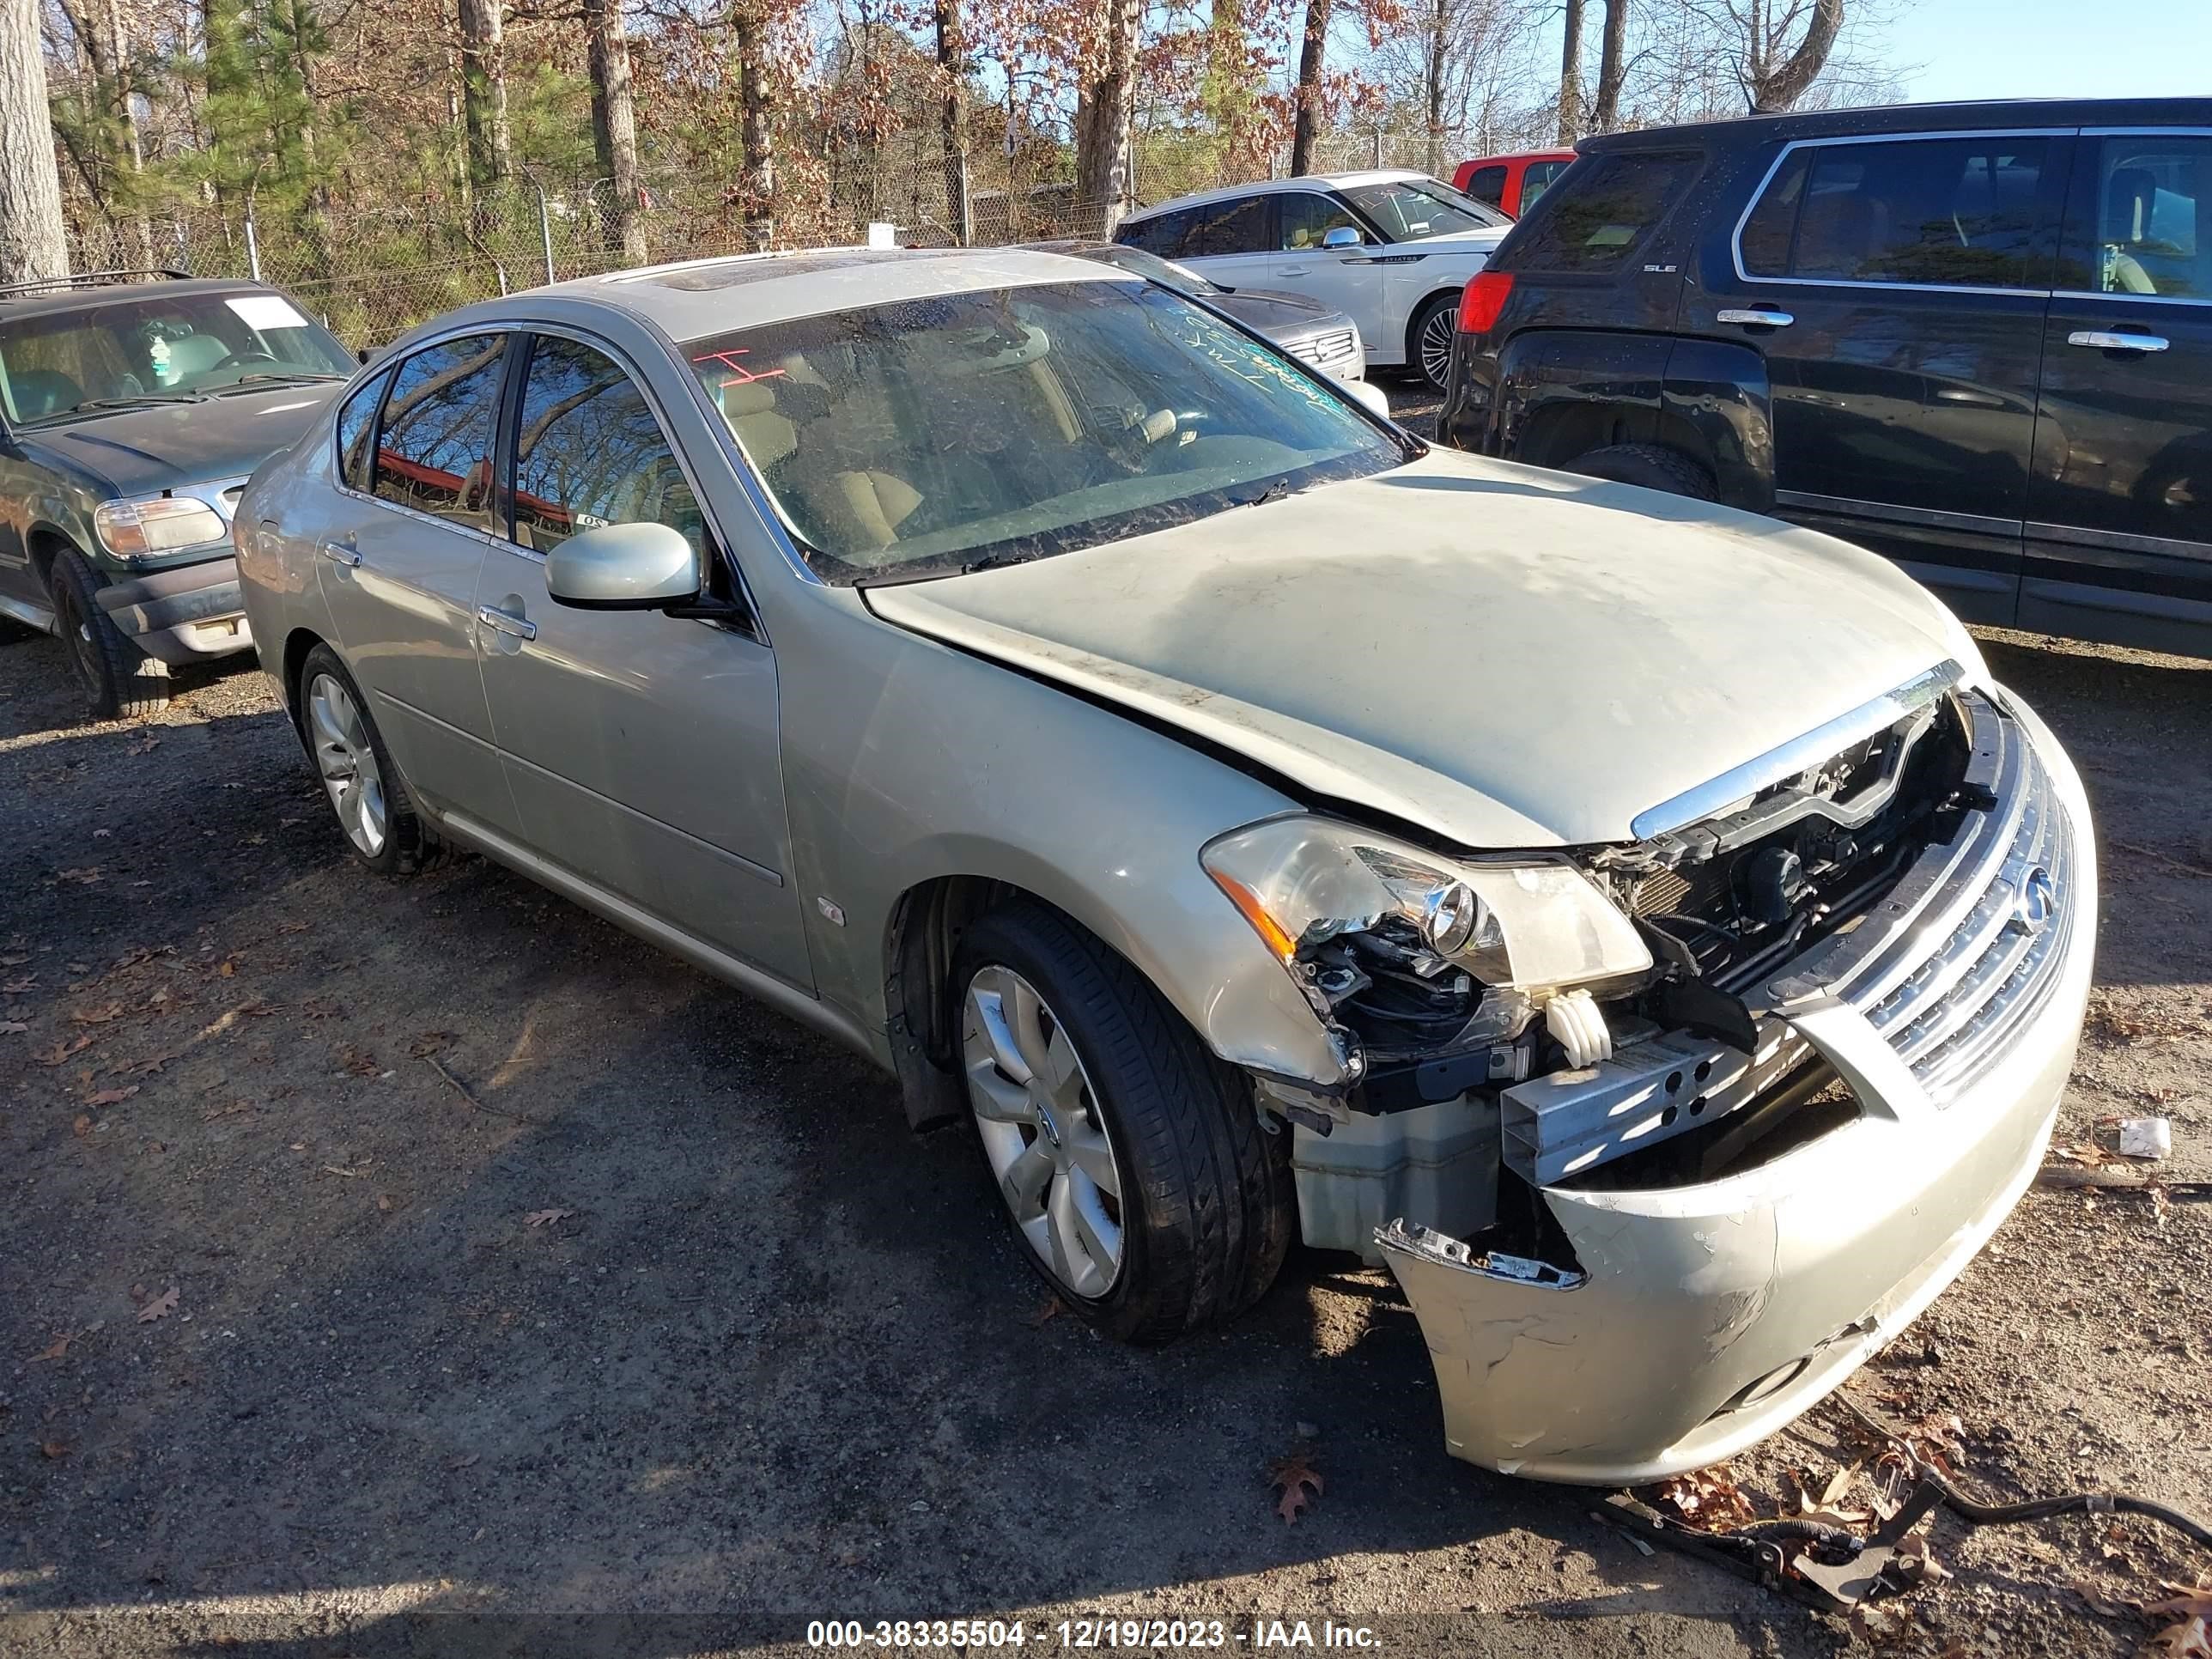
[(2052, 49)]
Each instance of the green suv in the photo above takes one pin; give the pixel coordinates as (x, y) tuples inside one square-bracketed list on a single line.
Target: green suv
[(133, 406)]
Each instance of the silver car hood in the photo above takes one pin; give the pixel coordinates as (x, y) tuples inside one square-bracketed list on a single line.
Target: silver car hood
[(1505, 656)]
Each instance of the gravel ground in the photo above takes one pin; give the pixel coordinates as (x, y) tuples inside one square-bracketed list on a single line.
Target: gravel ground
[(392, 1267)]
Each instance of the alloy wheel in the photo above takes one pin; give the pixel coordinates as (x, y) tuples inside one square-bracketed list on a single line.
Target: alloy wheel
[(1435, 345), (1041, 1131), (347, 759)]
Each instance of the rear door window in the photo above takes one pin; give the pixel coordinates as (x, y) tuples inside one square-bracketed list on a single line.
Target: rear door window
[(1948, 212), (434, 444), (2134, 223), (1613, 205), (1243, 225), (1164, 234), (1536, 179)]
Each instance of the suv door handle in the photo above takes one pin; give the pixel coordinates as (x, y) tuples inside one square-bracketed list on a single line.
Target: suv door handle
[(1754, 316), (344, 553), (506, 623), (2100, 339)]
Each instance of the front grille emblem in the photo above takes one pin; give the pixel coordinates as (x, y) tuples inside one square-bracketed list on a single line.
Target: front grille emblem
[(2035, 901)]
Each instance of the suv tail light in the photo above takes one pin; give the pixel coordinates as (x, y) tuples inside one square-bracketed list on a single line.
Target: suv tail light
[(1483, 299)]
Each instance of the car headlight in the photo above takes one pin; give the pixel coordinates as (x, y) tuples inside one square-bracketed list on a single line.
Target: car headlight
[(157, 524), (1529, 923)]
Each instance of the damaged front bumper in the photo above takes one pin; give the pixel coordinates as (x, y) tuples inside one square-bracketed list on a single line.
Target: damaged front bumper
[(1693, 1321)]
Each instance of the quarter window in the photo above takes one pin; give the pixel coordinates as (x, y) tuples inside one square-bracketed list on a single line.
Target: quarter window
[(356, 425), (1536, 179), (1234, 227), (1167, 235), (1951, 212), (433, 445), (1599, 222), (2133, 226), (588, 452), (1487, 185)]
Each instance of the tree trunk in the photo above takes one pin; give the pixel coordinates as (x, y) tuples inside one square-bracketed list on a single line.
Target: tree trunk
[(757, 124), (1612, 67), (614, 124), (1312, 53), (952, 64), (1570, 75), (32, 243), (1105, 107), (484, 88), (1439, 47), (1779, 88)]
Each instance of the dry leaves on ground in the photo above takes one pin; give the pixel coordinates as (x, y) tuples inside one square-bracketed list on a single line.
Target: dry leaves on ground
[(2190, 1637), (1298, 1481), (546, 1217), (83, 876), (55, 1349), (160, 1308), (11, 1027), (98, 1016), (112, 1097), (359, 1062), (1708, 1497), (61, 1051)]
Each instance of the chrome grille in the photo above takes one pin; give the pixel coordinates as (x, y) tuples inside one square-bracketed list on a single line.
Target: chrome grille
[(1324, 349), (1965, 950)]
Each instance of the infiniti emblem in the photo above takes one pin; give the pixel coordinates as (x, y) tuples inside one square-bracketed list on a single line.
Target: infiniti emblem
[(2034, 901)]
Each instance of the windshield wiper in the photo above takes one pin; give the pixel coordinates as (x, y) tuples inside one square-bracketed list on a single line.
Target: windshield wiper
[(994, 562), (297, 378), (1276, 490)]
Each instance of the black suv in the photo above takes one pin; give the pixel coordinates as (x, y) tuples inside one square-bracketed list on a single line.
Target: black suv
[(133, 406), (1977, 338)]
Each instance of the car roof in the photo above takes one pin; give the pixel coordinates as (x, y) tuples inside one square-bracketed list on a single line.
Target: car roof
[(78, 294), (1277, 186), (1996, 113), (699, 297), (1507, 157)]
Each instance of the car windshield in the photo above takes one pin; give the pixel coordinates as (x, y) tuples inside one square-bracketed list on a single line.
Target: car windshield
[(1414, 210), (1165, 272), (920, 438), (158, 348)]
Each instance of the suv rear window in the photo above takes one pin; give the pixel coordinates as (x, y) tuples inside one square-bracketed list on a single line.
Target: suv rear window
[(1955, 212), (1602, 212)]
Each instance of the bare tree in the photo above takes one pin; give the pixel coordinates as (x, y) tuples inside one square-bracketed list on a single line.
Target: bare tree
[(1105, 107), (1570, 75), (1313, 54), (484, 88), (758, 95), (1775, 77), (952, 119), (32, 242), (1612, 67), (614, 121)]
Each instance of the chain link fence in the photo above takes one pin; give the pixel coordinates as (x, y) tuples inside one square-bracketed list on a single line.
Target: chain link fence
[(372, 271)]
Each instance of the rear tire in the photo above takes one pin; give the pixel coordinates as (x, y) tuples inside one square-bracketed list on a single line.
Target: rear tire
[(1202, 1203), (366, 793), (1430, 340), (1649, 466), (119, 680)]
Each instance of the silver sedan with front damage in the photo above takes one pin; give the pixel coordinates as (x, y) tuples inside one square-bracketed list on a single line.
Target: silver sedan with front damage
[(1645, 926)]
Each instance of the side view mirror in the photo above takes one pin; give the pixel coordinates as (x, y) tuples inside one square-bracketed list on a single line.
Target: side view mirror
[(1339, 236), (1369, 397), (625, 567)]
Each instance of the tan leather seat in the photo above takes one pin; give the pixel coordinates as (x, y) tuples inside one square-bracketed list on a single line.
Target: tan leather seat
[(765, 436)]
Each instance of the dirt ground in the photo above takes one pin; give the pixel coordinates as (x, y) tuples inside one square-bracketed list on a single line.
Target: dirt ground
[(407, 1267)]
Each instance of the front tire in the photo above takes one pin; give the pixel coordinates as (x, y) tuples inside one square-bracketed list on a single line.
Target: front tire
[(1133, 1163), (364, 788), (119, 680)]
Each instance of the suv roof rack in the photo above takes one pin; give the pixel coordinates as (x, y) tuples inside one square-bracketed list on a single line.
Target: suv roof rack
[(91, 279)]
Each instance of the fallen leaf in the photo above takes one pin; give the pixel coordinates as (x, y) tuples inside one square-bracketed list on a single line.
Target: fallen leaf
[(54, 1449), (470, 1461), (101, 834), (1292, 1475), (62, 1051), (226, 968), (1052, 1306), (428, 1043), (112, 1097), (83, 876), (81, 1127), (333, 1169), (383, 1202), (160, 1306), (2190, 1637), (57, 1348), (231, 1110), (16, 988), (546, 1217), (11, 1027), (1708, 1497), (359, 1062), (97, 1016), (146, 748)]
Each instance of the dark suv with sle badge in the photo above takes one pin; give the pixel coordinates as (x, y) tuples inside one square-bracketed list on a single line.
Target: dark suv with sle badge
[(1975, 337), (132, 407)]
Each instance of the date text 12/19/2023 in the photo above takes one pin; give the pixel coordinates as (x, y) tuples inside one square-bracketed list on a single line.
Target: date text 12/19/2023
[(1124, 1634)]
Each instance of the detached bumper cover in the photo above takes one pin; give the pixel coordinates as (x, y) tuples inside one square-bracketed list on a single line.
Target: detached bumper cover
[(1706, 1317), (184, 614)]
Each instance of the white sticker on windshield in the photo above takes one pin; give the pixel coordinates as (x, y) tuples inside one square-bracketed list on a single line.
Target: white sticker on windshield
[(260, 310)]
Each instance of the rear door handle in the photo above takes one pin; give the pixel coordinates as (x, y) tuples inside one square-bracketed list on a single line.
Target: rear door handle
[(506, 623), (1753, 317), (2101, 339), (344, 553)]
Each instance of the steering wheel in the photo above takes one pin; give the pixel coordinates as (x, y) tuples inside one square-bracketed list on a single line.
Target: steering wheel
[(240, 359)]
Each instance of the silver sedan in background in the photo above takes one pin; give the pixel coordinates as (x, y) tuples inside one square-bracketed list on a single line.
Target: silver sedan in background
[(1644, 926)]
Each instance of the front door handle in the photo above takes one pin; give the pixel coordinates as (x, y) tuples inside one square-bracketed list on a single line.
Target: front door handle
[(1754, 316), (344, 553), (506, 623), (2101, 339)]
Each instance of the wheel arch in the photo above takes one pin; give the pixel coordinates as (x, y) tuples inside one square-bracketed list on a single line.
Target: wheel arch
[(46, 542), (1448, 291)]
